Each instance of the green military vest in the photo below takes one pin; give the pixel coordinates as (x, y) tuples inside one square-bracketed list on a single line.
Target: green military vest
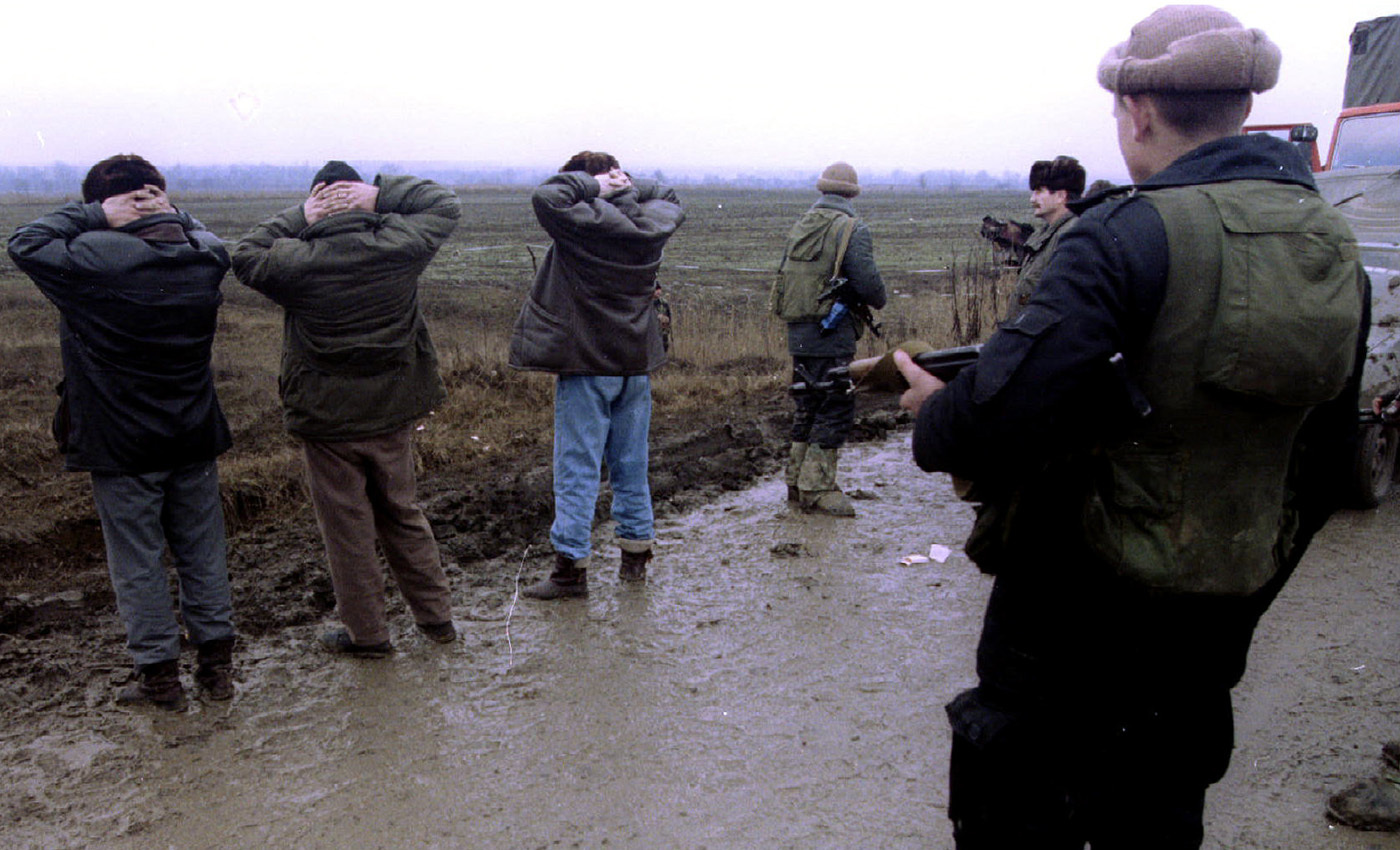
[(1259, 324), (815, 246)]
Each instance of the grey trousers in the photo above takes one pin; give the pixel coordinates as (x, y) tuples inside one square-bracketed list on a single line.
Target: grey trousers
[(143, 515), (364, 490)]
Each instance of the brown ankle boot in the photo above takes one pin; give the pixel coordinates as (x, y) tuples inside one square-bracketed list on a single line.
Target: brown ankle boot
[(634, 565), (156, 684), (568, 579), (215, 671)]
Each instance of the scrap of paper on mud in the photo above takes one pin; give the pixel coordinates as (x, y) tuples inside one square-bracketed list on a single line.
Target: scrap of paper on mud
[(937, 552)]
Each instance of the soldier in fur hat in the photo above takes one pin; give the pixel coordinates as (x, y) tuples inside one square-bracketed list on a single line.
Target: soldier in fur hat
[(1054, 183)]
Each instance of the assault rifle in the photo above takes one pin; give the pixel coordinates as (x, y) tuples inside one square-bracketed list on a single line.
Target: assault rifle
[(943, 364), (880, 373), (843, 302)]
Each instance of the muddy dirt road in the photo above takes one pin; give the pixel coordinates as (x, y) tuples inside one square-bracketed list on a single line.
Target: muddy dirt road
[(778, 683)]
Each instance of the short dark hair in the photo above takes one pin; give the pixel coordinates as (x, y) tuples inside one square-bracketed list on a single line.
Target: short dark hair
[(1061, 174), (1196, 113), (117, 175), (591, 162)]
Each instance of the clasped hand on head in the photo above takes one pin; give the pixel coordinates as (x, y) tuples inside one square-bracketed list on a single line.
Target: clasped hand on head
[(127, 207), (612, 182), (328, 199)]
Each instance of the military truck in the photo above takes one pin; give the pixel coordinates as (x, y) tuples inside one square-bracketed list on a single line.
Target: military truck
[(1361, 178)]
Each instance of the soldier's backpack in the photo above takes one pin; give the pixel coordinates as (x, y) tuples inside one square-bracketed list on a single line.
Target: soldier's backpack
[(815, 248)]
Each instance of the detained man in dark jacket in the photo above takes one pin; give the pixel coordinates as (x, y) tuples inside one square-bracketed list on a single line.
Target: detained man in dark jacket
[(358, 370), (1152, 458), (136, 284), (591, 319), (826, 244)]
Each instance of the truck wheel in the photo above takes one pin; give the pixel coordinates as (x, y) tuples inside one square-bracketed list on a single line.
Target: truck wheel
[(1375, 465)]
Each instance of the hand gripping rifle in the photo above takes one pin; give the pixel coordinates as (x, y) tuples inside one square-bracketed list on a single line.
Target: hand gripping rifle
[(880, 373)]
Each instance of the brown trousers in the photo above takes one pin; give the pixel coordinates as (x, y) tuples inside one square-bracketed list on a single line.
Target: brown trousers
[(363, 490)]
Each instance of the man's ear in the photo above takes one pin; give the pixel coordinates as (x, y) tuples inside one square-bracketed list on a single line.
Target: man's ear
[(1142, 112)]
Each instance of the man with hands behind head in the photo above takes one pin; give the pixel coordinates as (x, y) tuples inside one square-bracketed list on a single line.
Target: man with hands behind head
[(358, 370), (136, 284), (591, 319)]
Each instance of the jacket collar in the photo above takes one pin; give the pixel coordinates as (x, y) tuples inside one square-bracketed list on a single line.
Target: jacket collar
[(832, 201), (1252, 157)]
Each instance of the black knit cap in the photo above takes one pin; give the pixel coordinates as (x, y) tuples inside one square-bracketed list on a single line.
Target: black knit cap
[(336, 171)]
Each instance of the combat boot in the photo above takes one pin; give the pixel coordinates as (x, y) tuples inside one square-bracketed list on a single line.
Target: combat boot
[(215, 671), (568, 579), (816, 484), (634, 560), (156, 684), (797, 452)]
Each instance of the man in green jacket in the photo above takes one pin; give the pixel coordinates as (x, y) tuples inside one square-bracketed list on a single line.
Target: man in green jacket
[(358, 370), (1054, 184)]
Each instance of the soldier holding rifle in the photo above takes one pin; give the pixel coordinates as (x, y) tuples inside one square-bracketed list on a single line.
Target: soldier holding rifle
[(826, 282), (1135, 554)]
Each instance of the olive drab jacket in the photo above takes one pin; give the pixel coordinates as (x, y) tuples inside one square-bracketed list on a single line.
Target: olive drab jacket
[(138, 306), (808, 264), (1256, 329), (1039, 247), (357, 360)]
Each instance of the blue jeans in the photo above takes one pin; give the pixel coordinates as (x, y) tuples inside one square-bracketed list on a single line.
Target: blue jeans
[(141, 515), (599, 418)]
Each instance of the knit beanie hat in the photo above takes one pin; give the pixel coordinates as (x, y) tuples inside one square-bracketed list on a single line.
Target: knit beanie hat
[(1191, 48), (839, 178), (336, 171)]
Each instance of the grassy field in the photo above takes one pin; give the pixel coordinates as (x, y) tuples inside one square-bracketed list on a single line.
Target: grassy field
[(726, 348)]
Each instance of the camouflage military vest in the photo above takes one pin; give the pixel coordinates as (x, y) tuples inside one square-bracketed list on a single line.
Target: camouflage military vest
[(1259, 324), (814, 248)]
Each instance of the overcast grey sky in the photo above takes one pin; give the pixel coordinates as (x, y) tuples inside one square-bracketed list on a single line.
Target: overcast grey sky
[(724, 85)]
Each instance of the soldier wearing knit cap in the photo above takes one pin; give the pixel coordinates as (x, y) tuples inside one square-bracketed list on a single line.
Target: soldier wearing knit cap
[(1150, 457), (827, 244)]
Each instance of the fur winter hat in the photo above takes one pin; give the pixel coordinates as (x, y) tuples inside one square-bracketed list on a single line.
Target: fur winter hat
[(1191, 48), (839, 178), (1061, 174), (335, 171)]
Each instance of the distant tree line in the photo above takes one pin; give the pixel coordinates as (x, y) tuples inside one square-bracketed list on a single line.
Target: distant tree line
[(63, 179)]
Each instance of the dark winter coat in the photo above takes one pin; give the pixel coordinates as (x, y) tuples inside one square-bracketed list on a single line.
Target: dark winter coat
[(357, 360), (137, 310), (591, 309)]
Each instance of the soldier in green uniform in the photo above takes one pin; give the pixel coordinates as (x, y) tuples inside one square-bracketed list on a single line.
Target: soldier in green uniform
[(827, 246), (1054, 183)]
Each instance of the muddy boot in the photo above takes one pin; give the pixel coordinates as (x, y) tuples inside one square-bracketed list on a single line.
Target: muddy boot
[(156, 684), (634, 560), (1371, 805), (797, 452), (568, 579), (215, 671), (816, 485)]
